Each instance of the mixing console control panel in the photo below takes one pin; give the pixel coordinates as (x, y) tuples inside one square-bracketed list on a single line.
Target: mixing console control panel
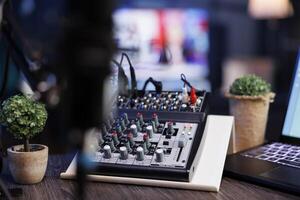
[(165, 101), (148, 147)]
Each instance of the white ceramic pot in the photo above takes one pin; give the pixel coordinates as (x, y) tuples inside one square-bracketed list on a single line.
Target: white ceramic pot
[(28, 167)]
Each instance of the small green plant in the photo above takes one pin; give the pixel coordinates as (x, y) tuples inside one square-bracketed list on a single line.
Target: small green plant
[(250, 85), (23, 117)]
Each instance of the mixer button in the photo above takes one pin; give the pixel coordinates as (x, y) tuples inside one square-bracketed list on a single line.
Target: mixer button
[(107, 152), (159, 153), (123, 153), (166, 143), (140, 154), (168, 136)]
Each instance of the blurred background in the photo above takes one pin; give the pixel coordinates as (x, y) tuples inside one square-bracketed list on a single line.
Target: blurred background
[(211, 41)]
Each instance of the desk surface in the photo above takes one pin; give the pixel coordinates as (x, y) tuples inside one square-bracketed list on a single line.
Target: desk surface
[(52, 187)]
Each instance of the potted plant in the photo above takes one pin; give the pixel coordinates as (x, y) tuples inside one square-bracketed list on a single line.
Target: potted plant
[(250, 97), (25, 118)]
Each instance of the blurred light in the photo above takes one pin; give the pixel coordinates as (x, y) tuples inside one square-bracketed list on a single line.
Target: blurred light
[(270, 9), (27, 7)]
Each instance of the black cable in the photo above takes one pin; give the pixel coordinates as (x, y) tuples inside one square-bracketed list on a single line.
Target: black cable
[(122, 79), (5, 75), (132, 75), (183, 78), (157, 85)]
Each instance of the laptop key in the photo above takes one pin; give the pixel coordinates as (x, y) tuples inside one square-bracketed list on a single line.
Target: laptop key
[(262, 157), (291, 155), (297, 160), (288, 158), (290, 163), (281, 152), (273, 159)]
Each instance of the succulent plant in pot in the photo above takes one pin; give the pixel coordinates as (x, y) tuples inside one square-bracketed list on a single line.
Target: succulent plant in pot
[(250, 97), (25, 118)]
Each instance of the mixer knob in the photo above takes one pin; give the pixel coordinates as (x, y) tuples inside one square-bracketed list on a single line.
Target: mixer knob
[(146, 140), (145, 148), (107, 152), (140, 154), (130, 139), (154, 127), (140, 118), (138, 126), (123, 153), (183, 107), (133, 129), (119, 130), (170, 128), (111, 145), (122, 123), (125, 117), (115, 138), (159, 153), (198, 102), (149, 131), (155, 119), (127, 144)]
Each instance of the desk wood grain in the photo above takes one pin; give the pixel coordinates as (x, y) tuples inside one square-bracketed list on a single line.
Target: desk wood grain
[(52, 187)]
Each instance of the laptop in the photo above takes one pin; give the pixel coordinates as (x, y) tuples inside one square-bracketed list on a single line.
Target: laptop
[(276, 164)]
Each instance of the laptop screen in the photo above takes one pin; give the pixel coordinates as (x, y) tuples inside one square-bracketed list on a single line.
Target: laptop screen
[(291, 126)]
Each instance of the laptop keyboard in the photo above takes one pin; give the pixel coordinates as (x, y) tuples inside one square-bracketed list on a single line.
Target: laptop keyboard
[(284, 154)]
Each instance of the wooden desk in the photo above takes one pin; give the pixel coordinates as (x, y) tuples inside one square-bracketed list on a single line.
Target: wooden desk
[(52, 187)]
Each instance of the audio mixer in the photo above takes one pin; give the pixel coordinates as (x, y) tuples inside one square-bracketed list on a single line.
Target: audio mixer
[(153, 148), (156, 135)]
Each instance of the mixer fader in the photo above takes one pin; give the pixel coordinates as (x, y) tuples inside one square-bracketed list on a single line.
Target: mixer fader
[(148, 147)]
